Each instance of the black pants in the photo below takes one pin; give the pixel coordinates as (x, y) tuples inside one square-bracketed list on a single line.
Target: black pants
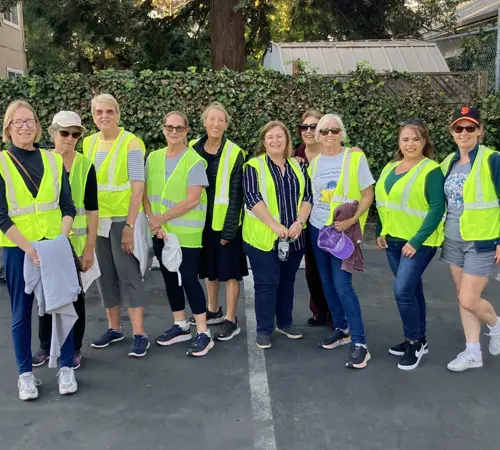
[(45, 326), (190, 282)]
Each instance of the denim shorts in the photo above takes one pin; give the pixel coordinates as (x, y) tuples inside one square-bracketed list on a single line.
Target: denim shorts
[(464, 254)]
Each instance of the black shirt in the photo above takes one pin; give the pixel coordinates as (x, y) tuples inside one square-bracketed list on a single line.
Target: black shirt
[(90, 197), (32, 162)]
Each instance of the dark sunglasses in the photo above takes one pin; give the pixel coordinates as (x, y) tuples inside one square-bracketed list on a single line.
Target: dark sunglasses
[(469, 128), (74, 135), (412, 121), (325, 131), (177, 128), (307, 126)]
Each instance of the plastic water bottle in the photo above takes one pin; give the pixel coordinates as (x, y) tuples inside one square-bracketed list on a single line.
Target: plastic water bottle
[(283, 249)]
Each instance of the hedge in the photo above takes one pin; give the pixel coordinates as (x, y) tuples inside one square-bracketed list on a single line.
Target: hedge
[(370, 111)]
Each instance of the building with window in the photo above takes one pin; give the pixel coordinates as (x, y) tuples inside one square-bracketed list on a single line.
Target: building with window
[(12, 49)]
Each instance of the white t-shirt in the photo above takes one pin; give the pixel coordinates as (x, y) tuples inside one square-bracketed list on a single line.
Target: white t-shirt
[(325, 181)]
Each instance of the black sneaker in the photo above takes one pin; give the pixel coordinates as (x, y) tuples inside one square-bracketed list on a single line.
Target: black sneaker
[(399, 350), (290, 332), (412, 356), (201, 345), (315, 322), (339, 337), (358, 356), (213, 318), (228, 330), (263, 341)]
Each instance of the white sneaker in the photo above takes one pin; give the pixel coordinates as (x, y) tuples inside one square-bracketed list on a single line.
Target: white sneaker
[(67, 381), (494, 346), (27, 385), (466, 360)]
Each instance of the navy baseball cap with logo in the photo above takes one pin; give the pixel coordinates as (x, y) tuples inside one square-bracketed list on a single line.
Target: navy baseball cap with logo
[(467, 113)]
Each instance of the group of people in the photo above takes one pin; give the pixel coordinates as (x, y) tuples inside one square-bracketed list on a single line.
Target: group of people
[(220, 206)]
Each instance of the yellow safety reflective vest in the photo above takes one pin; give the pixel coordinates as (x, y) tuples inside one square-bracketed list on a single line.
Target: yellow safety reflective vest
[(36, 218), (164, 195), (402, 211), (114, 190), (227, 161), (255, 232), (480, 220), (347, 190)]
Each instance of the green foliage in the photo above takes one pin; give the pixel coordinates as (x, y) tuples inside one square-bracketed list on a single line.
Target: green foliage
[(370, 111)]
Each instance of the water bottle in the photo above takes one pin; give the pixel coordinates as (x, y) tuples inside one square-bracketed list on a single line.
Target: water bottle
[(283, 249)]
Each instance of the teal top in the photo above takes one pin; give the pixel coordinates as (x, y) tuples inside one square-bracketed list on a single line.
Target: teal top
[(434, 194)]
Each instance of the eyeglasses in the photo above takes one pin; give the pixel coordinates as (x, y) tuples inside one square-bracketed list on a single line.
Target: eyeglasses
[(18, 123), (470, 129), (74, 135), (412, 121), (177, 128), (325, 131), (307, 126)]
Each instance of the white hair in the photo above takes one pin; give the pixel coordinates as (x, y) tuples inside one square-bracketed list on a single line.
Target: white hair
[(327, 118)]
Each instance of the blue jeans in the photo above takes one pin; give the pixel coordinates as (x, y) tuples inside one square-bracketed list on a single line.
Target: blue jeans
[(408, 288), (21, 305), (274, 287), (340, 296)]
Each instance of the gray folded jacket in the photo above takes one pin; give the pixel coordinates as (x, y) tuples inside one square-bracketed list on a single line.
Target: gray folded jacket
[(56, 286)]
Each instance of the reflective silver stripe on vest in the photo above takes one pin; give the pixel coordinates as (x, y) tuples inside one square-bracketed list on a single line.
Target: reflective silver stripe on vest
[(170, 204), (81, 211), (224, 191), (79, 231), (263, 188), (346, 167), (112, 164), (113, 188), (8, 181), (188, 223), (154, 198), (93, 141)]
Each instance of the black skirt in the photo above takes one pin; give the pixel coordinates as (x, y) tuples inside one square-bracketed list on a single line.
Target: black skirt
[(222, 262)]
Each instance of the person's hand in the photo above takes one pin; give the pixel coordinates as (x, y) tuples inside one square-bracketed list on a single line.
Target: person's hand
[(381, 243), (224, 242), (128, 240), (280, 230), (497, 255), (87, 258), (344, 225), (162, 234), (34, 256), (295, 230), (355, 150), (408, 251), (155, 223), (299, 159)]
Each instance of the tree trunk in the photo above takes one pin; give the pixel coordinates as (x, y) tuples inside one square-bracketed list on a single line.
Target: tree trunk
[(228, 35)]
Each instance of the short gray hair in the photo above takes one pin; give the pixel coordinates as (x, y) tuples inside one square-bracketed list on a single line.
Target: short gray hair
[(327, 118)]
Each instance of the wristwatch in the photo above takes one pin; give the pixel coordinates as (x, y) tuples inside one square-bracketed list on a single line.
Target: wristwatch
[(130, 225)]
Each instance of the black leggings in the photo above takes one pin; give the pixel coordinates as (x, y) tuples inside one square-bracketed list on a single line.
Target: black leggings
[(190, 282)]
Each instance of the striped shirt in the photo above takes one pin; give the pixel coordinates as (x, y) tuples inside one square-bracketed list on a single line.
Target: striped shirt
[(287, 190)]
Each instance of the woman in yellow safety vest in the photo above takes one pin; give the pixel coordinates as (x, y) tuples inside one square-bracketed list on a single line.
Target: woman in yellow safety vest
[(340, 177), (176, 205), (278, 202), (35, 204), (411, 204), (65, 131), (471, 231), (118, 157), (222, 257)]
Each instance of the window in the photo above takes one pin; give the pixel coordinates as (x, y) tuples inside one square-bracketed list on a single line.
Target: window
[(12, 73), (11, 17)]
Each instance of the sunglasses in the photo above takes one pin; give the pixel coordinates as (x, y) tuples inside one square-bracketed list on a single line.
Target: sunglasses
[(177, 128), (412, 121), (74, 135), (325, 131), (470, 129), (307, 126)]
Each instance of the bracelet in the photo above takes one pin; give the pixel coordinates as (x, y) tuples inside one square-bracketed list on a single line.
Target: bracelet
[(300, 221)]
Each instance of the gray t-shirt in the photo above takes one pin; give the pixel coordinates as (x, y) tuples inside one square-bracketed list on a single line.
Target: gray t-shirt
[(454, 192), (325, 181)]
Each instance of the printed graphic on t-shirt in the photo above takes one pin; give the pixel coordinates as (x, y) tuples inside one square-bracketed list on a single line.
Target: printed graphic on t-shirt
[(325, 195), (454, 190)]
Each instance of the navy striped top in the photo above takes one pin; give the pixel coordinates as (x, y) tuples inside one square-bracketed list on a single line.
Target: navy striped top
[(287, 190)]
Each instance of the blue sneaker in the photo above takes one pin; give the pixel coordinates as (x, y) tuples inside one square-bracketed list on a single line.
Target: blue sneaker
[(140, 346), (201, 345), (108, 337), (174, 335)]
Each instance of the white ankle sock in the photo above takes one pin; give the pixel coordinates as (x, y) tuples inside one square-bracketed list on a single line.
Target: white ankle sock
[(183, 324), (473, 347), (361, 345), (207, 333), (496, 328)]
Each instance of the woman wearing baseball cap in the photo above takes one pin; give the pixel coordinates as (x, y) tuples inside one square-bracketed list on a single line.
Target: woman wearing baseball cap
[(471, 231)]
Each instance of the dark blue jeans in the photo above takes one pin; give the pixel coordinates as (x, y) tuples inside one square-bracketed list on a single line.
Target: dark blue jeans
[(21, 305), (340, 295), (274, 286), (408, 288)]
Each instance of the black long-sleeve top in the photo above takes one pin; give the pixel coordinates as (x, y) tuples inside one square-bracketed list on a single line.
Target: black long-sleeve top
[(32, 162), (232, 222)]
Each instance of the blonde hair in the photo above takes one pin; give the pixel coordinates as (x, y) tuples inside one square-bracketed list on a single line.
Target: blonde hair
[(9, 115), (219, 107), (105, 98), (182, 116), (262, 136), (327, 118)]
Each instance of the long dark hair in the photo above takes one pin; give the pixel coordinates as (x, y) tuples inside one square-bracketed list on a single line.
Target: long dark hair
[(422, 132)]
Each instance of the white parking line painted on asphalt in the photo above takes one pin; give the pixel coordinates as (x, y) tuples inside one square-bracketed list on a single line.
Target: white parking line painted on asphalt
[(259, 386)]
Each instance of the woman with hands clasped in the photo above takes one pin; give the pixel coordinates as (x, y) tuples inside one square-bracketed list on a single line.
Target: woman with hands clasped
[(175, 202), (411, 204), (278, 202)]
